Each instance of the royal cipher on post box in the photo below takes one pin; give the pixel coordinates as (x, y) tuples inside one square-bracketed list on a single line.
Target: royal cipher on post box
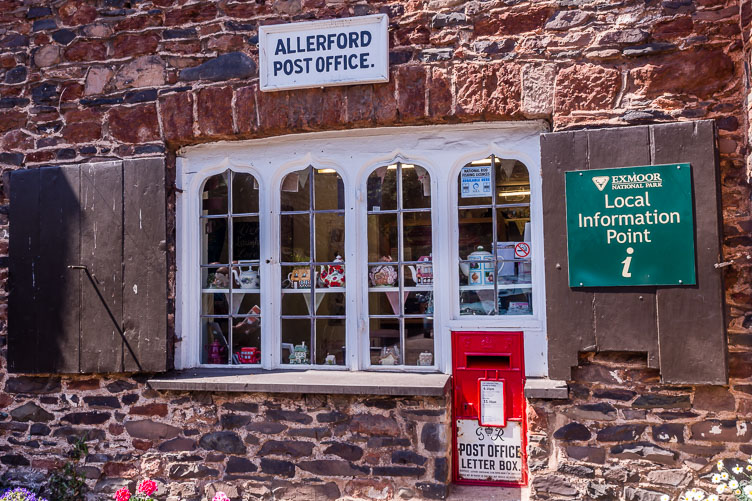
[(489, 408)]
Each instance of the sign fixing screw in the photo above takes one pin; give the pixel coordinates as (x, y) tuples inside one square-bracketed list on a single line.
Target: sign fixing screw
[(681, 281)]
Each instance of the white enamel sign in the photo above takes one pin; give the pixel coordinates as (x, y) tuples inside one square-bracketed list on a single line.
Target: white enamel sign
[(489, 453), (352, 50), (492, 403)]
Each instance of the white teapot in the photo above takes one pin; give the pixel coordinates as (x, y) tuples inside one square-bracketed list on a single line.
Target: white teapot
[(248, 278)]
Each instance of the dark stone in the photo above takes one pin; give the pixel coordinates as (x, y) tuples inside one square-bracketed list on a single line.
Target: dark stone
[(730, 123), (294, 416), (44, 93), (669, 432), (120, 386), (109, 402), (398, 471), (572, 431), (266, 428), (317, 433), (554, 485), (252, 408), (451, 19), (39, 429), (376, 442), (637, 494), (233, 421), (101, 101), (44, 24), (179, 33), (223, 441), (12, 102), (397, 57), (65, 154), (576, 470), (333, 467), (433, 491), (496, 47), (722, 430), (331, 417), (131, 398), (643, 450), (224, 67), (12, 158), (14, 460), (658, 401), (620, 433), (14, 426), (16, 75), (408, 457), (277, 467), (441, 470), (292, 448), (240, 465), (433, 55), (98, 458), (151, 430), (670, 416), (644, 116), (235, 26), (607, 492), (600, 411), (622, 395), (73, 435), (14, 40), (179, 471), (31, 412), (35, 12), (141, 96), (345, 451), (649, 49), (589, 454), (431, 438), (92, 417), (63, 37), (567, 19), (178, 445)]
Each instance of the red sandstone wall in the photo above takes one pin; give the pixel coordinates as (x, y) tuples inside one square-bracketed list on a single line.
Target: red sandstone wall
[(116, 78)]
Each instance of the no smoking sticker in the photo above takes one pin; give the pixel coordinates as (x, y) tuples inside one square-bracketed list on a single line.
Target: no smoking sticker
[(522, 250)]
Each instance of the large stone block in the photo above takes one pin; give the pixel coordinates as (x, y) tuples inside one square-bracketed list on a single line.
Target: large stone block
[(586, 87), (145, 71), (151, 430), (134, 124), (223, 441)]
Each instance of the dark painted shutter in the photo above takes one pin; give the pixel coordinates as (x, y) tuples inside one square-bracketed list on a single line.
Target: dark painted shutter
[(681, 329), (109, 217)]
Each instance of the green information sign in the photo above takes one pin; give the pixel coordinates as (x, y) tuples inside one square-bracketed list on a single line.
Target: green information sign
[(630, 226)]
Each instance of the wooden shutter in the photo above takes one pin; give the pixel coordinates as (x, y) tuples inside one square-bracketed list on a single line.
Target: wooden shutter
[(681, 329), (109, 217)]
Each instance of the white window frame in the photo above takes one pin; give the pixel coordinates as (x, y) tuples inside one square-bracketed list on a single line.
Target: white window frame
[(442, 149)]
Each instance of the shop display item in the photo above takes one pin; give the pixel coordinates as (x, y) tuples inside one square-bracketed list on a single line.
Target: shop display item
[(423, 273), (384, 275), (215, 352), (247, 278), (389, 355), (248, 355), (300, 278), (220, 279), (425, 358), (333, 275), (299, 355), (330, 360), (480, 271)]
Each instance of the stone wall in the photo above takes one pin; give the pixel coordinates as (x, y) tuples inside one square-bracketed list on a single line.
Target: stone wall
[(117, 78)]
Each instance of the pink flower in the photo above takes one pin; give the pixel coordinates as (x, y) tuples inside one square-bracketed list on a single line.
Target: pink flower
[(147, 487), (123, 494), (220, 496)]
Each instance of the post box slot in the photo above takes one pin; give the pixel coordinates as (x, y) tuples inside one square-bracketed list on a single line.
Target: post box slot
[(488, 361)]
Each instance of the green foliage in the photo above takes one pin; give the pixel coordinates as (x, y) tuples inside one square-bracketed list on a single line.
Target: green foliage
[(67, 484)]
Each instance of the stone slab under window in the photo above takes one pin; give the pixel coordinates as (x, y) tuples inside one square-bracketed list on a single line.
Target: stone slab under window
[(311, 381), (546, 388)]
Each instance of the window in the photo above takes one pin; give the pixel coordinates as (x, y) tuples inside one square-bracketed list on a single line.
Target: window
[(495, 267), (344, 250)]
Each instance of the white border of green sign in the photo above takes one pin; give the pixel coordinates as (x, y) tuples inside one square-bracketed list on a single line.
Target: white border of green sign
[(630, 226)]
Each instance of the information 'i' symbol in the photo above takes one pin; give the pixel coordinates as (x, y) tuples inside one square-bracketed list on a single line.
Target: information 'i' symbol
[(625, 271)]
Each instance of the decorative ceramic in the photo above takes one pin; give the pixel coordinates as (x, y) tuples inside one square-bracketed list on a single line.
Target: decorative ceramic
[(248, 355), (425, 358), (389, 355), (330, 360), (245, 278), (220, 279), (480, 272), (423, 273), (333, 275), (300, 278), (299, 355), (215, 352), (384, 275)]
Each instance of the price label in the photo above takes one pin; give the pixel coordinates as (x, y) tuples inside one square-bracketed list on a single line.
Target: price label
[(492, 403)]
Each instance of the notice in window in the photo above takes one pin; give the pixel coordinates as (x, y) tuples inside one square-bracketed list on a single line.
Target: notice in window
[(475, 181), (486, 453), (492, 403)]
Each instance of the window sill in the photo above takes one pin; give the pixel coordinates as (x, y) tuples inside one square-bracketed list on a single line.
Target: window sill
[(310, 381), (546, 388)]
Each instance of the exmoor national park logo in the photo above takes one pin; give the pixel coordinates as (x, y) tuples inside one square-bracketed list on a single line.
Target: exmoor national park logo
[(601, 182)]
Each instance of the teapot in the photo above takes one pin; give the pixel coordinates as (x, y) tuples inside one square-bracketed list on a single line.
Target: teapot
[(215, 353), (480, 272), (423, 273), (333, 275), (384, 275), (300, 278), (247, 279)]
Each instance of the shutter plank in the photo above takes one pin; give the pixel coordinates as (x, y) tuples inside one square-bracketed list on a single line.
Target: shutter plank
[(569, 313), (625, 318), (59, 288), (145, 264), (101, 251), (23, 251), (693, 347)]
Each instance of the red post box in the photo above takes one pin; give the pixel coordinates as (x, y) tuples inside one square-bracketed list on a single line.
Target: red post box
[(490, 431)]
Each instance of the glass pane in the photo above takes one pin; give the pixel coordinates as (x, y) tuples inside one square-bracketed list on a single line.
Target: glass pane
[(297, 277), (246, 340), (417, 237), (296, 341), (329, 190), (515, 301), (214, 241), (296, 238), (246, 304), (383, 275), (474, 184), (214, 304), (330, 303), (384, 303), (511, 224), (296, 303), (214, 340), (382, 237), (384, 335), (477, 301), (245, 193), (476, 229), (418, 341), (512, 182), (382, 189), (214, 196), (330, 341), (296, 191), (330, 237), (215, 278), (245, 239), (416, 187), (418, 303)]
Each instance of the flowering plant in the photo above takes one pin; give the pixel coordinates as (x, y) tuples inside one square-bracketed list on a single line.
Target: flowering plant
[(143, 492), (738, 482), (20, 494)]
